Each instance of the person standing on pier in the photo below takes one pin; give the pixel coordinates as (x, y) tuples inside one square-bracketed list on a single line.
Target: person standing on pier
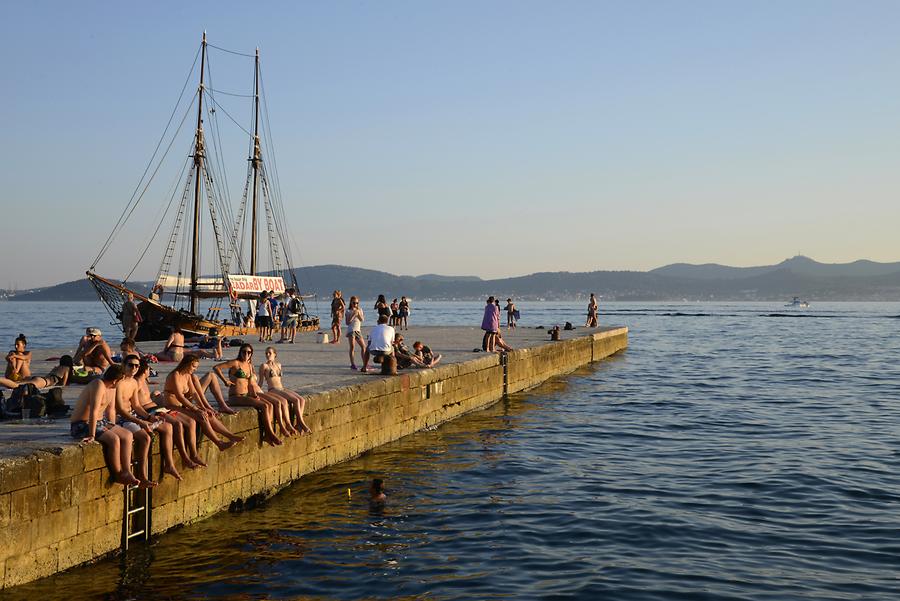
[(131, 317), (337, 314), (355, 318), (592, 310), (510, 313), (403, 320), (490, 323)]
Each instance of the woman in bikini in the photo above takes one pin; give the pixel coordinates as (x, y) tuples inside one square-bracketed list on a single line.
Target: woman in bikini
[(270, 372), (242, 393), (181, 424), (355, 319), (183, 392), (174, 349), (58, 376), (18, 360)]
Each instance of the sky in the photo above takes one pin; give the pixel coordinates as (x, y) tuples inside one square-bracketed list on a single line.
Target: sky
[(470, 138)]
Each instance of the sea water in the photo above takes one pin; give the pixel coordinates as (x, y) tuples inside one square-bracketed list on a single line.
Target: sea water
[(734, 451)]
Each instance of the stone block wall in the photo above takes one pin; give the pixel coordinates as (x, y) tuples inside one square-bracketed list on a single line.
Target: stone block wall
[(59, 509)]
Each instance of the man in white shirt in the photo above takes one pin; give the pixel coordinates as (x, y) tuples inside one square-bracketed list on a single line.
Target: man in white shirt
[(381, 342)]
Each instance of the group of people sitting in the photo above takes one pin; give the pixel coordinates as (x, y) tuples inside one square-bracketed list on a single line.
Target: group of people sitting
[(383, 343), (118, 409)]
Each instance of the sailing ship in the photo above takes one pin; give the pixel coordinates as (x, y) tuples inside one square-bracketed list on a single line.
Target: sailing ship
[(175, 299)]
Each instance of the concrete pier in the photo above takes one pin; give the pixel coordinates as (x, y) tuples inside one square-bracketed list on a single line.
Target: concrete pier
[(58, 508)]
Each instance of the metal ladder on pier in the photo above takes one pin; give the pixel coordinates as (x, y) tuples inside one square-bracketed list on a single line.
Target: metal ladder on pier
[(137, 511)]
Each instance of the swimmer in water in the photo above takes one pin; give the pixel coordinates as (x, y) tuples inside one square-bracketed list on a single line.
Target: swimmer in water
[(376, 491)]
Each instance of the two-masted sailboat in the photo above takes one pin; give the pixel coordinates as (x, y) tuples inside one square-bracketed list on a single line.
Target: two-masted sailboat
[(175, 299)]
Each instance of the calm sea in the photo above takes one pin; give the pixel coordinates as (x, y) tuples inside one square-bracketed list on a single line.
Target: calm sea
[(735, 451)]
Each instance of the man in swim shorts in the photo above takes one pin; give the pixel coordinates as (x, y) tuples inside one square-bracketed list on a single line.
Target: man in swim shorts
[(90, 422)]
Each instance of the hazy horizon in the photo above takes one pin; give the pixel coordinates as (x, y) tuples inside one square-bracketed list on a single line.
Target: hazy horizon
[(492, 140)]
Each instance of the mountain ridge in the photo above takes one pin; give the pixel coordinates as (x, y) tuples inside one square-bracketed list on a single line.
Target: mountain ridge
[(797, 276)]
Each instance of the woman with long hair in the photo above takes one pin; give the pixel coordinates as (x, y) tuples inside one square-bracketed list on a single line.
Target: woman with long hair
[(242, 393), (355, 319), (180, 424), (184, 392), (270, 372)]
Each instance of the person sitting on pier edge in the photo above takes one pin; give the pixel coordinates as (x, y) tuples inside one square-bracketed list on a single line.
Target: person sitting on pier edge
[(58, 376), (270, 372), (184, 431), (126, 410), (490, 323), (499, 343), (93, 352), (381, 343), (185, 392), (89, 422), (425, 355), (18, 360), (242, 394)]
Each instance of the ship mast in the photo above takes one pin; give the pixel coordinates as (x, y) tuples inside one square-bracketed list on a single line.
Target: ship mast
[(198, 173), (255, 161)]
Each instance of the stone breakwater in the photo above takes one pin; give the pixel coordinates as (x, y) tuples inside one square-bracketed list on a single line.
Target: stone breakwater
[(58, 508)]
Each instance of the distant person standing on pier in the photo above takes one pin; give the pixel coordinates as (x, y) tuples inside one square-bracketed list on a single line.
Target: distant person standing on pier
[(381, 307), (592, 312), (490, 323), (355, 319), (337, 315), (131, 317), (395, 312), (510, 313), (404, 313), (263, 316)]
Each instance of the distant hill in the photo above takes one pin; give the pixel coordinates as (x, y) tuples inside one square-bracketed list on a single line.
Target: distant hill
[(798, 276), (448, 278), (799, 265)]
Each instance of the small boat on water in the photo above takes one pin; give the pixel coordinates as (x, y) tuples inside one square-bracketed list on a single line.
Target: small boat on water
[(796, 303), (204, 209)]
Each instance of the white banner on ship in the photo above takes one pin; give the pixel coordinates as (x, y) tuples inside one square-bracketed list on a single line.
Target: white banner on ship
[(243, 285)]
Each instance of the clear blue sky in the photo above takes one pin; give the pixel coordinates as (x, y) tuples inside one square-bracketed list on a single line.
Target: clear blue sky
[(484, 138)]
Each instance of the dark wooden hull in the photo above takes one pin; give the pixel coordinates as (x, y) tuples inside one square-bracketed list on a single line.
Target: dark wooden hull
[(159, 321)]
